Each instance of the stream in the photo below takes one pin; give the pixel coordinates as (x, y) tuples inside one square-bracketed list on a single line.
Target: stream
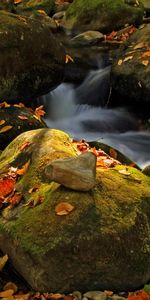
[(82, 112)]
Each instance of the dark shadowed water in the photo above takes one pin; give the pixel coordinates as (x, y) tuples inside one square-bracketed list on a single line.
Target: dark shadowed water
[(76, 111)]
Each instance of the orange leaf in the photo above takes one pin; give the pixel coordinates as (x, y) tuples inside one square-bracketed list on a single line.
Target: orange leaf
[(22, 117), (2, 122), (15, 199), (6, 186), (7, 293), (39, 111), (113, 153), (24, 168), (145, 62), (25, 145), (4, 104), (19, 105), (5, 128), (63, 208), (56, 296), (147, 53), (17, 1)]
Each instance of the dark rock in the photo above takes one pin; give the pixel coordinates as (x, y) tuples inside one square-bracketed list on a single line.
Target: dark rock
[(104, 243), (102, 15), (77, 173), (131, 71), (146, 170), (20, 119), (31, 61), (26, 7)]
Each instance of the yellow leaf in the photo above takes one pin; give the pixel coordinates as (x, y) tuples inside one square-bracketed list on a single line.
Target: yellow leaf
[(63, 208), (124, 172), (128, 58), (120, 61), (3, 261), (5, 128), (4, 104), (24, 169), (68, 58), (7, 293), (42, 12), (2, 122)]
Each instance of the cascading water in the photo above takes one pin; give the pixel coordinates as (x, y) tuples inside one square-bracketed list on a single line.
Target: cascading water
[(73, 110)]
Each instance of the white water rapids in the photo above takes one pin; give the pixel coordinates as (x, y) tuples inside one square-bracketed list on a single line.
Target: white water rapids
[(71, 109)]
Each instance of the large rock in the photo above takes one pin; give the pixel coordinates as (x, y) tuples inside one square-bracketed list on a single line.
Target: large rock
[(103, 243), (31, 61), (102, 15), (28, 6), (15, 120), (131, 71)]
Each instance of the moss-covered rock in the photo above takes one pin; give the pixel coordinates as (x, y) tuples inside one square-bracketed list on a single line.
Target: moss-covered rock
[(31, 61), (28, 6), (104, 243), (102, 15), (131, 70)]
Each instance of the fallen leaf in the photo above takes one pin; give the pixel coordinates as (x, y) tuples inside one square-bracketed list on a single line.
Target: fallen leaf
[(2, 122), (35, 201), (124, 172), (39, 112), (24, 168), (25, 146), (56, 296), (17, 1), (139, 45), (7, 293), (63, 208), (23, 117), (147, 53), (68, 58), (3, 261), (10, 285), (128, 58), (15, 199), (120, 61), (6, 186), (42, 12), (140, 295), (5, 128), (145, 62), (113, 153), (19, 105), (4, 105)]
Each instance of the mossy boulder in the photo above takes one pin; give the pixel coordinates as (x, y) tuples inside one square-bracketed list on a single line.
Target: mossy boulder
[(104, 243), (28, 6), (131, 70), (102, 15), (15, 120), (31, 61)]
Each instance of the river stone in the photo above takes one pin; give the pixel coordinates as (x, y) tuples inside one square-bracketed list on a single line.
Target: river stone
[(131, 70), (103, 244), (77, 173), (102, 15), (27, 72), (87, 38)]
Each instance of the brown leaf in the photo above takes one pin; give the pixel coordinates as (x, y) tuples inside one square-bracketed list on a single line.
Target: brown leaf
[(24, 168), (56, 296), (19, 105), (120, 61), (2, 122), (139, 45), (23, 117), (3, 261), (39, 112), (5, 128), (147, 53), (15, 199), (113, 153), (128, 58), (63, 208)]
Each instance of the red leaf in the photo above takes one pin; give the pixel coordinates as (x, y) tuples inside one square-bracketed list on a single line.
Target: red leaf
[(6, 187)]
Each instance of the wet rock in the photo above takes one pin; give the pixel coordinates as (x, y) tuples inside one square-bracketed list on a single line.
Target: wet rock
[(146, 170), (76, 173), (131, 71), (17, 120), (104, 243), (101, 15), (59, 15), (27, 73), (26, 7), (87, 38)]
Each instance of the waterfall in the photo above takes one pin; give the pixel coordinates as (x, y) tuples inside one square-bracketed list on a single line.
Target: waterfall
[(73, 110)]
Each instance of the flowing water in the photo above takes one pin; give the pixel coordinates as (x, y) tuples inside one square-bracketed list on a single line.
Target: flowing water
[(76, 111)]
